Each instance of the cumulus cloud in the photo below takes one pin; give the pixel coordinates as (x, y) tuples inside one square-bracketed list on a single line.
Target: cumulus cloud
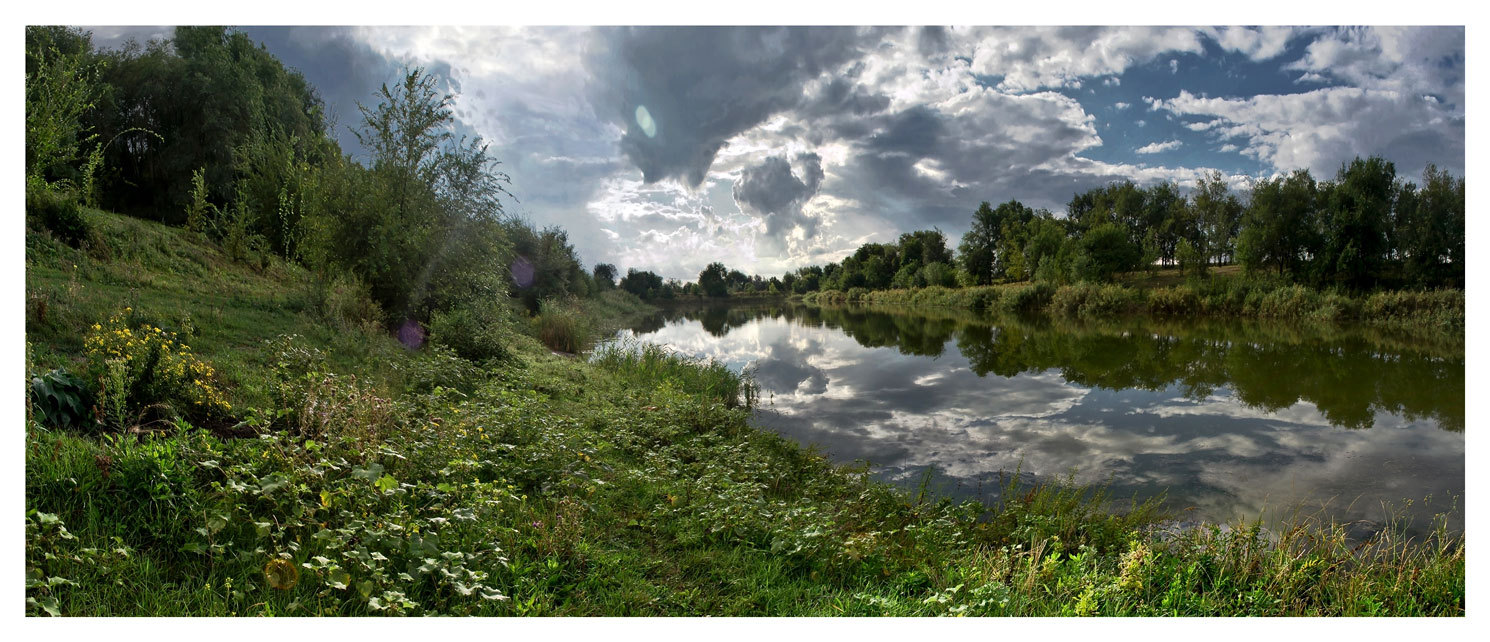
[(1323, 128), (1257, 43), (1033, 58), (771, 190), (1154, 148)]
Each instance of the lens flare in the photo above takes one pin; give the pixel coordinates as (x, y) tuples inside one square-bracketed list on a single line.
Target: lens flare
[(644, 120), (411, 334), (522, 272)]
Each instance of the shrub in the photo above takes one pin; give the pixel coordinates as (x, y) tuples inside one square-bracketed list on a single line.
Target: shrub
[(1093, 300), (144, 370), (473, 331), (60, 214), (437, 366), (1026, 298)]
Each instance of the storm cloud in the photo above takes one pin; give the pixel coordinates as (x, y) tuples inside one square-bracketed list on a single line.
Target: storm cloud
[(770, 189), (700, 87)]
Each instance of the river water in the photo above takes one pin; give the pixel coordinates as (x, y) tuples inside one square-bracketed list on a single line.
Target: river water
[(1223, 420)]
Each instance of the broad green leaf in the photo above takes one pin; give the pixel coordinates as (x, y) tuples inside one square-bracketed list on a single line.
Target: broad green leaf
[(371, 473), (386, 483), (338, 578)]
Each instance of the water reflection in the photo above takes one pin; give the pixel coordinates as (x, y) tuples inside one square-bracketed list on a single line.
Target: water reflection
[(1228, 418)]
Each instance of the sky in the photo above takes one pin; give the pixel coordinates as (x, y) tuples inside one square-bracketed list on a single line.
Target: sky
[(772, 148)]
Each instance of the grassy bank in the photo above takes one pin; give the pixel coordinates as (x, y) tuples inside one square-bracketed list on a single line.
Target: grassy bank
[(346, 474), (1226, 294)]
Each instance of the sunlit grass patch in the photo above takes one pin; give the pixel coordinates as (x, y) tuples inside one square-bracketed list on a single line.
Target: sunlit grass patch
[(651, 365)]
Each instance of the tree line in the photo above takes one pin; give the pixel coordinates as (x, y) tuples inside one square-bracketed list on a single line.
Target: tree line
[(1365, 229), (210, 131)]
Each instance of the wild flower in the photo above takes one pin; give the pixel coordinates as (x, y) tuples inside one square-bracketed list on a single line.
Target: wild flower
[(149, 367)]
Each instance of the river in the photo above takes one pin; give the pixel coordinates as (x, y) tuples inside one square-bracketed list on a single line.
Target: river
[(1223, 420)]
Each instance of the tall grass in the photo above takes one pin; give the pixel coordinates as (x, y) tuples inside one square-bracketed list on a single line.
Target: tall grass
[(562, 326), (648, 365)]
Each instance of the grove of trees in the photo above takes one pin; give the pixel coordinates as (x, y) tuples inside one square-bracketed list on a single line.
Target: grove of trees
[(208, 130)]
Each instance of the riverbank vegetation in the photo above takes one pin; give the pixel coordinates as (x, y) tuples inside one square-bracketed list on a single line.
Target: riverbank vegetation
[(1423, 312), (354, 476), (278, 381)]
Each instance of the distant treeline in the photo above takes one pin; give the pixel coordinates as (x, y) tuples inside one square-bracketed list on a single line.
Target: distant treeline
[(1366, 229), (210, 131)]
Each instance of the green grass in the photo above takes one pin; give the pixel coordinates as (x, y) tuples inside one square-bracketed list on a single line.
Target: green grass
[(419, 482), (652, 365)]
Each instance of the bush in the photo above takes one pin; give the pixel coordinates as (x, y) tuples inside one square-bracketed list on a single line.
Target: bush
[(1093, 300), (60, 214), (340, 299), (437, 366), (143, 373), (1026, 298), (474, 331)]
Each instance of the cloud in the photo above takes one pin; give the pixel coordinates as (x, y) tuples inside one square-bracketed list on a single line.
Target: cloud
[(703, 86), (1257, 43), (1154, 148), (772, 191), (1321, 129), (1121, 105), (1034, 58)]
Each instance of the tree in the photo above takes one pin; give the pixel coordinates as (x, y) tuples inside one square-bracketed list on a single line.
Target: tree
[(605, 276), (976, 251), (642, 283), (1219, 214), (1280, 227), (61, 86), (206, 93), (984, 253), (712, 280), (1357, 211), (1430, 234), (1106, 250)]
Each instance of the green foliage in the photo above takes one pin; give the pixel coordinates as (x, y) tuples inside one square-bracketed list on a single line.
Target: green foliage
[(476, 331), (61, 86), (199, 212), (1106, 251), (561, 326), (1192, 261), (648, 365), (711, 279), (59, 213), (339, 299), (642, 283), (604, 275), (194, 102), (61, 400)]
